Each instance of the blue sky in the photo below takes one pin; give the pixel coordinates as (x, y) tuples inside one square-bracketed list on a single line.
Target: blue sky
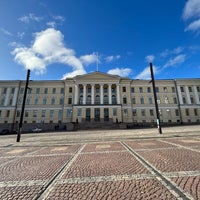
[(59, 39)]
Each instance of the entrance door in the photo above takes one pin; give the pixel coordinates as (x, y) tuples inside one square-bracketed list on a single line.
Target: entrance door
[(87, 114), (106, 114), (97, 114)]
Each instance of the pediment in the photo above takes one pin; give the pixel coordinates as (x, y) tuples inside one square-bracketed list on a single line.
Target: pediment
[(97, 76)]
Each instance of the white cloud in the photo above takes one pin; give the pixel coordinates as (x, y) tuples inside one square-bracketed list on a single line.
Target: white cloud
[(59, 18), (194, 26), (51, 24), (146, 74), (168, 52), (112, 58), (20, 35), (175, 61), (89, 59), (30, 17), (150, 58), (74, 73), (47, 48), (6, 32), (191, 9), (123, 72)]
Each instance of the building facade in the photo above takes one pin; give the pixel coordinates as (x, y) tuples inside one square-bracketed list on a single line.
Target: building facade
[(98, 98)]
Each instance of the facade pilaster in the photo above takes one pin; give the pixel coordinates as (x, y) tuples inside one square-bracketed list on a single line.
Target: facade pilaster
[(109, 94), (15, 97), (187, 95), (92, 93), (180, 95), (7, 96), (76, 95), (84, 94), (196, 95), (101, 93), (118, 94)]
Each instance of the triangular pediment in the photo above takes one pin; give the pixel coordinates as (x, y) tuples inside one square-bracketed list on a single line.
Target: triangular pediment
[(97, 76)]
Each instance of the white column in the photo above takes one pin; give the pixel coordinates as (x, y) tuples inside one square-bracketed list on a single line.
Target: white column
[(15, 97), (92, 93), (7, 96), (196, 94), (118, 94), (187, 95), (84, 94), (76, 95), (180, 95), (109, 94), (101, 93)]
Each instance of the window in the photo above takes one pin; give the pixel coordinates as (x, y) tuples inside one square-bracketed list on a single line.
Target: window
[(142, 100), (195, 112), (54, 90), (43, 113), (149, 90), (60, 113), (21, 90), (79, 112), (61, 101), (97, 89), (140, 90), (198, 89), (150, 100), (124, 100), (44, 101), (133, 100), (12, 90), (8, 113), (70, 89), (51, 113), (26, 113), (175, 100), (37, 90), (0, 113), (134, 112), (182, 89), (10, 102), (184, 100), (28, 101), (89, 90), (35, 113), (192, 99), (176, 112), (166, 100), (18, 113), (114, 111), (173, 89), (61, 90), (143, 112), (45, 90), (151, 112), (132, 90), (52, 101), (19, 101), (165, 89), (105, 90), (70, 100), (157, 89), (36, 101), (187, 112), (190, 89), (124, 89), (69, 112)]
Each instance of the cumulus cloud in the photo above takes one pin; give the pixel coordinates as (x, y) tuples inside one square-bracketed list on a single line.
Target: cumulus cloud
[(112, 58), (47, 48), (146, 74), (150, 58), (89, 59), (192, 11), (123, 72), (175, 61)]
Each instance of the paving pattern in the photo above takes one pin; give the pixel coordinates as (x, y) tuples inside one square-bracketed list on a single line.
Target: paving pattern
[(154, 168)]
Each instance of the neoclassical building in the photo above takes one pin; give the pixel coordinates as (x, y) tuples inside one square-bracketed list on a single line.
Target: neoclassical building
[(98, 100)]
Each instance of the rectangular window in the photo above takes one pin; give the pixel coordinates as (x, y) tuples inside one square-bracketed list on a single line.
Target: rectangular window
[(52, 101), (142, 100), (61, 101), (173, 89), (28, 101), (70, 100), (69, 112), (51, 113), (61, 90), (175, 100), (0, 113), (79, 112), (10, 102), (157, 89), (150, 100), (60, 113), (165, 89), (124, 89), (18, 113), (133, 100), (143, 112), (43, 113), (187, 112), (182, 89), (37, 90), (195, 112), (149, 90), (8, 113), (124, 100), (198, 89), (140, 90), (134, 112), (176, 112), (45, 90), (114, 111), (132, 90), (54, 90), (36, 101), (151, 112), (44, 101), (26, 113), (35, 113), (190, 89), (21, 90), (192, 99), (13, 90), (184, 100), (70, 89)]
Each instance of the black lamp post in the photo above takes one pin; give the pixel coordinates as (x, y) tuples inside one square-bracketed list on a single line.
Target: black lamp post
[(155, 99), (23, 106)]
